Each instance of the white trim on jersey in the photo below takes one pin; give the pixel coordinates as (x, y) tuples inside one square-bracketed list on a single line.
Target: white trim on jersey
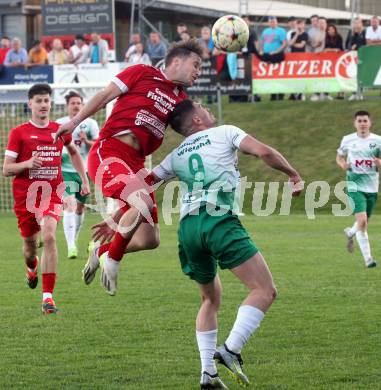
[(120, 84), (10, 153)]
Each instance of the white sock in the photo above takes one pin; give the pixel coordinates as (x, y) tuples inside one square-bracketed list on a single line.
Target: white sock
[(69, 228), (46, 296), (79, 218), (363, 241), (207, 343), (353, 230), (248, 320)]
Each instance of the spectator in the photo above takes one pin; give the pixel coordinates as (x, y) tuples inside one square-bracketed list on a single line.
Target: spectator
[(298, 44), (316, 35), (319, 46), (138, 56), (206, 42), (17, 55), (155, 48), (291, 22), (5, 44), (252, 45), (180, 28), (333, 43), (272, 45), (135, 39), (373, 32), (333, 40), (79, 52), (37, 54), (98, 50), (356, 36), (185, 37), (58, 55)]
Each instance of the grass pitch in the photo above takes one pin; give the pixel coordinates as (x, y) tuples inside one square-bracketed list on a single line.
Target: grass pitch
[(323, 332)]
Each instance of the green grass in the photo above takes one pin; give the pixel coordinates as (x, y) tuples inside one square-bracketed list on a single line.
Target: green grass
[(323, 331)]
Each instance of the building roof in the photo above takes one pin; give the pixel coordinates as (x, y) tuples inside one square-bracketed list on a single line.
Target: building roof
[(255, 8)]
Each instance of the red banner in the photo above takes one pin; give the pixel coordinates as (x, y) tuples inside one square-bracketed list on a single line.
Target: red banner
[(303, 65)]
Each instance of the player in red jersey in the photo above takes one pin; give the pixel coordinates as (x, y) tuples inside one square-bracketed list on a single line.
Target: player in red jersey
[(135, 129), (34, 159)]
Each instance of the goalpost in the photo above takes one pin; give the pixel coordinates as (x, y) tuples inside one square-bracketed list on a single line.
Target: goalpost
[(14, 111)]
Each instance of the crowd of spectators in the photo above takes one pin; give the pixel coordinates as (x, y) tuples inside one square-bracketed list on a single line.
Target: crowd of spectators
[(270, 46), (13, 54)]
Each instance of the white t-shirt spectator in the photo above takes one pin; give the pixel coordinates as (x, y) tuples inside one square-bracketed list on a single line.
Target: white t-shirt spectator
[(84, 50), (373, 35)]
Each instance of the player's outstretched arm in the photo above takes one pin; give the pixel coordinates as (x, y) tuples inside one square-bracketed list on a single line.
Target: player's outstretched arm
[(97, 102), (12, 168), (272, 158), (77, 161)]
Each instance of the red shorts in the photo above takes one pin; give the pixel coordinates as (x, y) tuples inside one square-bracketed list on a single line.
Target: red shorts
[(29, 223), (118, 170)]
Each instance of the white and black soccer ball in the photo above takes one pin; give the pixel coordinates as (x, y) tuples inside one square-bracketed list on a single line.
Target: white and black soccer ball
[(230, 33)]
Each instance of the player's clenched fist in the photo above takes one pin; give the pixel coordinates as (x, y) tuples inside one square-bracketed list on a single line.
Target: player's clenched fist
[(34, 162), (85, 189)]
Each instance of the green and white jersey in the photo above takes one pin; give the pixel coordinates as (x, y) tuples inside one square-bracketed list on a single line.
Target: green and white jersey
[(90, 127), (206, 164), (360, 153)]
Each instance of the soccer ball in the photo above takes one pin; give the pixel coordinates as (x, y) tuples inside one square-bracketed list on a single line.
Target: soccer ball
[(230, 33)]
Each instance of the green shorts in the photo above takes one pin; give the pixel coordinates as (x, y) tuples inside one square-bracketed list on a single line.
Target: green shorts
[(205, 241), (73, 185), (363, 201)]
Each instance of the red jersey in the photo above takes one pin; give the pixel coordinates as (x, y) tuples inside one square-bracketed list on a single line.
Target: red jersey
[(143, 108), (24, 142), (3, 53)]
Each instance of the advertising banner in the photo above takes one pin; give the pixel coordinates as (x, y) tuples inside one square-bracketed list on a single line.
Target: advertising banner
[(83, 73), (77, 17), (231, 72), (23, 75), (307, 73), (369, 67)]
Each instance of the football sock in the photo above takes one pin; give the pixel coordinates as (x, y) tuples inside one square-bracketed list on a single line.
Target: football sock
[(48, 283), (69, 228), (247, 321), (363, 241), (207, 342), (118, 246), (353, 230), (32, 265), (103, 248), (79, 218)]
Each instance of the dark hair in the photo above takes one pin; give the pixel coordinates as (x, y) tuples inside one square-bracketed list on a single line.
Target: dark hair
[(291, 19), (362, 113), (72, 94), (314, 16), (181, 24), (80, 36), (36, 42), (39, 89), (5, 37), (179, 117), (183, 49)]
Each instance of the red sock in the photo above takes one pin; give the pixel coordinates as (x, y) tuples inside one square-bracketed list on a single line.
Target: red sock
[(118, 247), (103, 248), (32, 264), (48, 282)]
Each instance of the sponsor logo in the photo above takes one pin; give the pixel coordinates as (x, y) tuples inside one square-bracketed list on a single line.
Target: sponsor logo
[(366, 163)]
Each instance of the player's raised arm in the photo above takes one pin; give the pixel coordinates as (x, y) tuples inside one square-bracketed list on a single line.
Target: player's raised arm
[(97, 102), (271, 157)]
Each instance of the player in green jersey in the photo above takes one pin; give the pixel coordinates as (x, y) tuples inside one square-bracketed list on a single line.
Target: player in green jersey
[(74, 203), (358, 155), (211, 234)]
